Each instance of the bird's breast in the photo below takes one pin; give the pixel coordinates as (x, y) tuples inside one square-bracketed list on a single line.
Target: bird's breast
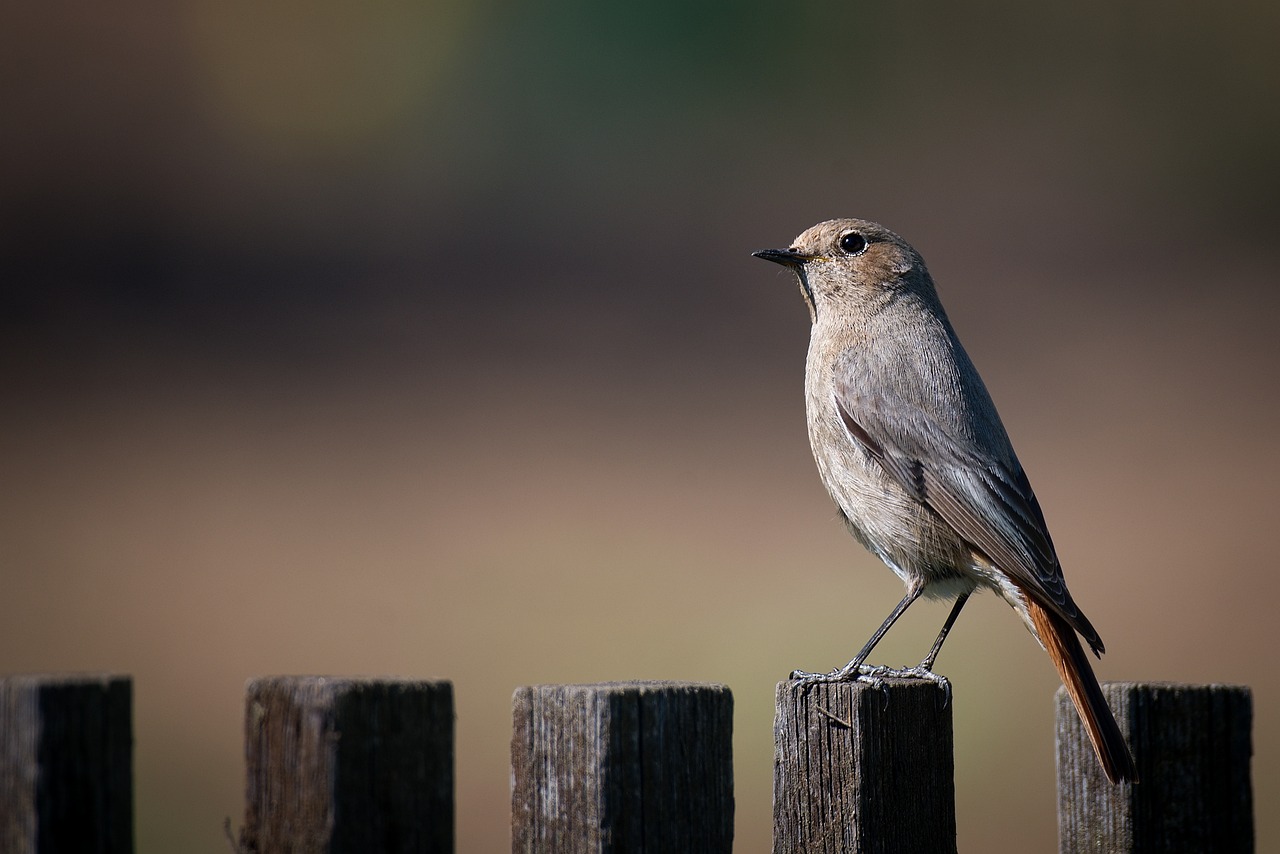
[(895, 526)]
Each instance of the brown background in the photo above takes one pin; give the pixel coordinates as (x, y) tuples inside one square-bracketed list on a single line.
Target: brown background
[(424, 339)]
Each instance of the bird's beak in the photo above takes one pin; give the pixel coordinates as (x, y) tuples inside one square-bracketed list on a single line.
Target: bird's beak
[(786, 257)]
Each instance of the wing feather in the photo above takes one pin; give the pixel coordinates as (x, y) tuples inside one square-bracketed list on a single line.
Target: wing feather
[(988, 502)]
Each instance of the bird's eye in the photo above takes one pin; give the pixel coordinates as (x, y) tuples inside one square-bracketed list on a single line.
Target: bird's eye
[(853, 243)]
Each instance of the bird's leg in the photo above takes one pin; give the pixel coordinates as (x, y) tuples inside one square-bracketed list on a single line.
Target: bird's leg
[(876, 674), (927, 665), (924, 670), (856, 669)]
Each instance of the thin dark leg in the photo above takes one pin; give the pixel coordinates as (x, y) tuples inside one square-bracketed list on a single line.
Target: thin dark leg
[(927, 664), (852, 669)]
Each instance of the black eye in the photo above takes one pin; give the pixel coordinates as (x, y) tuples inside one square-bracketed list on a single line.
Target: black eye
[(853, 243)]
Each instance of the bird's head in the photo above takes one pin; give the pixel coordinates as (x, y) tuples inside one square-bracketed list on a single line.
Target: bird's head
[(843, 263)]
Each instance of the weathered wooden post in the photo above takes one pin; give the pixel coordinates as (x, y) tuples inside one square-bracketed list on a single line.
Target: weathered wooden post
[(861, 768), (348, 766), (1192, 745), (66, 764), (622, 767)]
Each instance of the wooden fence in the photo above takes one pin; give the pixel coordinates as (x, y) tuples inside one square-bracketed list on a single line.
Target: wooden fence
[(366, 765)]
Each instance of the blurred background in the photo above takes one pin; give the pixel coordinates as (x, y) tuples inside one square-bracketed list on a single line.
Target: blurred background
[(424, 339)]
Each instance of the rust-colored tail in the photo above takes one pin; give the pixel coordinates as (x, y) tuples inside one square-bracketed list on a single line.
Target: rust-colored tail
[(1068, 657)]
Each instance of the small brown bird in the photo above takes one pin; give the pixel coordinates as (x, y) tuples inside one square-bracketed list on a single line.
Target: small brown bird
[(915, 456)]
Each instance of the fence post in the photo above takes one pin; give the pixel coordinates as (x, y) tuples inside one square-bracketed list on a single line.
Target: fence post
[(861, 768), (622, 767), (66, 764), (1192, 745), (348, 766)]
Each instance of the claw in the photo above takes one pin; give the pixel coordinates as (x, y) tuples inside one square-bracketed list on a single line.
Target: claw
[(875, 676), (923, 673)]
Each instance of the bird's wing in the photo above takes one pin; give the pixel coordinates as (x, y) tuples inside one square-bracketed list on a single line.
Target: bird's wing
[(987, 501)]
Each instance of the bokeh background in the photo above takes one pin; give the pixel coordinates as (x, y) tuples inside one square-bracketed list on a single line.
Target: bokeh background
[(424, 339)]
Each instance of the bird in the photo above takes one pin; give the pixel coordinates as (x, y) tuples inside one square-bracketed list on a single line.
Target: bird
[(911, 449)]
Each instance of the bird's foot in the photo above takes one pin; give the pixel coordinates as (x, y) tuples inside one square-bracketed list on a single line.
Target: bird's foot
[(862, 673), (851, 672), (874, 675), (921, 672)]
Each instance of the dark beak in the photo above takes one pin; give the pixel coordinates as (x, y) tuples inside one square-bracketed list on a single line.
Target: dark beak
[(786, 257)]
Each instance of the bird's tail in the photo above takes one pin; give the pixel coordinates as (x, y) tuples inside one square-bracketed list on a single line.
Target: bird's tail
[(1069, 658)]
